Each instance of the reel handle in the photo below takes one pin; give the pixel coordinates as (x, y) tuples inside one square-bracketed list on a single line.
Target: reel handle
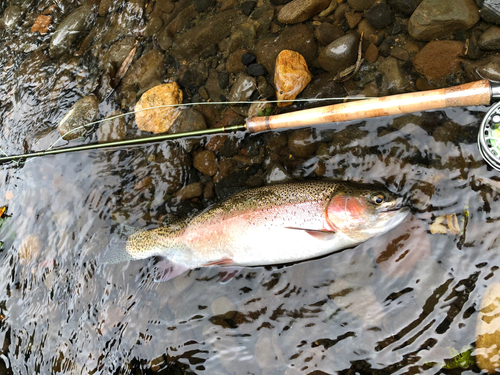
[(469, 94)]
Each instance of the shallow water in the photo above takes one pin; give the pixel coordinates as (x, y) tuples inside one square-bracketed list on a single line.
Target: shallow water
[(404, 302)]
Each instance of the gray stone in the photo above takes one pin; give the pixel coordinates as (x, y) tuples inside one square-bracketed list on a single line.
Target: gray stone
[(490, 40), (395, 80), (378, 15), (118, 52), (164, 39), (81, 113), (339, 54), (12, 16), (70, 30), (243, 88), (327, 33), (154, 24), (210, 31), (298, 11), (188, 120), (276, 173), (490, 12), (436, 18)]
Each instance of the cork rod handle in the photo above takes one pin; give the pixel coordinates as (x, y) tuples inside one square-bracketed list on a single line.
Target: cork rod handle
[(469, 94)]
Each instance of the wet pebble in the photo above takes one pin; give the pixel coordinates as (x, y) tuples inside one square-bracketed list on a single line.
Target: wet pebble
[(339, 54), (188, 120), (353, 18), (400, 53), (258, 108), (379, 15), (247, 7), (112, 130), (298, 11), (407, 7), (488, 330), (41, 24), (301, 143), (395, 79), (81, 113), (12, 16), (206, 162), (70, 29), (248, 58), (291, 76), (234, 63), (30, 249), (488, 68), (439, 58), (164, 39), (490, 40), (158, 120), (170, 170), (190, 191), (436, 18), (242, 88), (371, 53), (276, 173), (201, 5)]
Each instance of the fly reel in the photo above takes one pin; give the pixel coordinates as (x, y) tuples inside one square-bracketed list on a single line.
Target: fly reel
[(489, 137)]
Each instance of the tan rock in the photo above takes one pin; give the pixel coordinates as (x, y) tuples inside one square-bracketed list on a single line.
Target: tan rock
[(488, 330), (30, 249), (291, 76), (41, 24), (158, 120)]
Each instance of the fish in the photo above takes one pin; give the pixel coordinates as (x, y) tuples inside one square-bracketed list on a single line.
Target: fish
[(275, 224)]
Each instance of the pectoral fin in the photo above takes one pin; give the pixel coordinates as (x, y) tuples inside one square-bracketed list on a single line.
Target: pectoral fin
[(323, 235), (220, 262), (166, 270)]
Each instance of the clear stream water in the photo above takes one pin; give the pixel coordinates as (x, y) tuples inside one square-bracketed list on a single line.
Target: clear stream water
[(405, 302)]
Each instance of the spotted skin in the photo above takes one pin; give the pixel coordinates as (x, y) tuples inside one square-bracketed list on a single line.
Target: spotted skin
[(274, 224)]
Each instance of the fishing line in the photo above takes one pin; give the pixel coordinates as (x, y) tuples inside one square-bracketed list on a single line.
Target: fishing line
[(193, 104)]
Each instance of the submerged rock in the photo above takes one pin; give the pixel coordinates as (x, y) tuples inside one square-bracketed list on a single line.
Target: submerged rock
[(112, 130), (41, 24), (488, 68), (81, 113), (242, 88), (147, 70), (12, 16), (298, 11), (206, 162), (70, 30), (436, 18), (158, 120), (490, 40), (291, 76), (30, 249)]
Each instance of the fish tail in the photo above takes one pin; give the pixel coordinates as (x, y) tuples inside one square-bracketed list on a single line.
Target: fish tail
[(116, 250)]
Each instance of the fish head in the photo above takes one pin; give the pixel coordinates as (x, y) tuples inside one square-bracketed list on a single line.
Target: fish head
[(363, 212)]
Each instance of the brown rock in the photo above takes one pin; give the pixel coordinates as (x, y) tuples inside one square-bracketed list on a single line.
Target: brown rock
[(371, 53), (439, 58), (158, 120), (206, 162), (291, 76), (353, 18), (190, 191), (298, 11), (327, 33), (301, 143), (233, 63), (41, 24)]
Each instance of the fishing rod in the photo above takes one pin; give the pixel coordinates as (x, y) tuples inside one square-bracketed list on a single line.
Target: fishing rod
[(470, 94)]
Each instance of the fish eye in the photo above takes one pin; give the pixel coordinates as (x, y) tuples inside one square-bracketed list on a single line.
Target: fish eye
[(378, 199)]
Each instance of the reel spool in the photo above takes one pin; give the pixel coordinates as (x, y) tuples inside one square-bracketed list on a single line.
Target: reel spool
[(488, 138)]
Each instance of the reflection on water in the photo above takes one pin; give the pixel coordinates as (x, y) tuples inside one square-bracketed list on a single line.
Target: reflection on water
[(406, 301)]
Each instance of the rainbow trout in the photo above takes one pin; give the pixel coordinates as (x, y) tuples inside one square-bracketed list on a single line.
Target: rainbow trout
[(268, 225)]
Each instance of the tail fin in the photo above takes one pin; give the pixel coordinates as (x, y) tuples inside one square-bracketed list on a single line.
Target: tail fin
[(116, 251)]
